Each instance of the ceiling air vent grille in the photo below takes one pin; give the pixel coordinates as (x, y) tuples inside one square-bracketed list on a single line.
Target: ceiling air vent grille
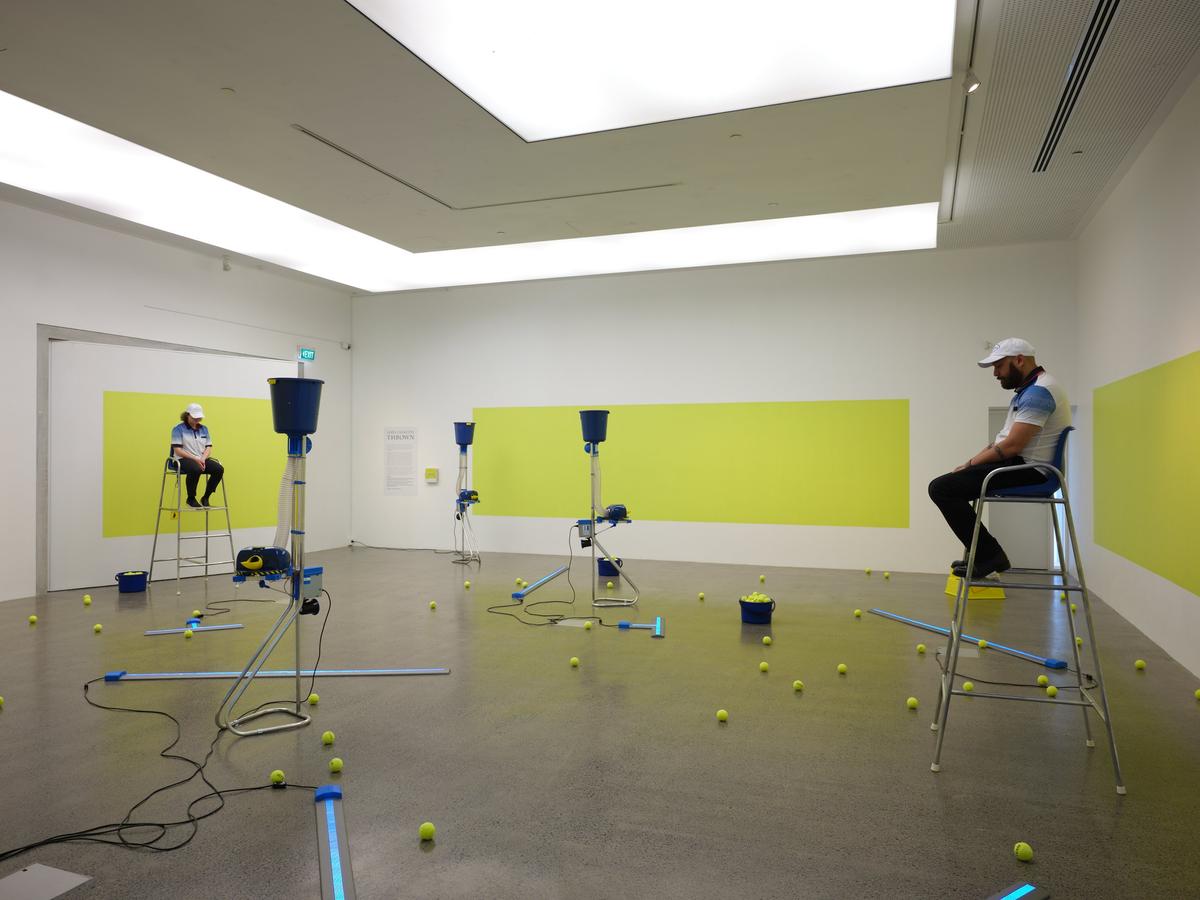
[(1077, 73)]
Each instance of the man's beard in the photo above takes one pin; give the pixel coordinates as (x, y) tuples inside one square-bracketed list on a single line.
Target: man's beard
[(1011, 379)]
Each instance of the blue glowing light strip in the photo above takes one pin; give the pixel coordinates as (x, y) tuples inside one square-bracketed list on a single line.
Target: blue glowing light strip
[(1019, 892), (121, 675), (194, 628), (658, 627), (335, 857), (1048, 662), (522, 594)]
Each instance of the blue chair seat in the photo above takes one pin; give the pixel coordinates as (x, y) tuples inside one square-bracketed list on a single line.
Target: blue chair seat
[(1047, 488)]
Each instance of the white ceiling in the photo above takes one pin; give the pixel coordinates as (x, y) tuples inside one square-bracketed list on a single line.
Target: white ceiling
[(227, 85)]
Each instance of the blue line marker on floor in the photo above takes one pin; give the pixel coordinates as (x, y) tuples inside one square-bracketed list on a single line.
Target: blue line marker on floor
[(1048, 662), (124, 675), (337, 878), (1022, 890)]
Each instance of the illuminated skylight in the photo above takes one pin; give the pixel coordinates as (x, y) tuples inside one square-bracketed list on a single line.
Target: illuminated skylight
[(50, 154), (551, 68)]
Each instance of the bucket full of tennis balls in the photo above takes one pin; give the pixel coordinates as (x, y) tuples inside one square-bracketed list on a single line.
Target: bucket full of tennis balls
[(757, 608)]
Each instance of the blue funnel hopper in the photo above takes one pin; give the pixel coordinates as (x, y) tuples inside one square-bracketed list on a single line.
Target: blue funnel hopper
[(595, 425), (295, 403), (464, 433)]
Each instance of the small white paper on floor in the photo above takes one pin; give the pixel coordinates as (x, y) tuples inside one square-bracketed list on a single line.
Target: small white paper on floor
[(38, 882)]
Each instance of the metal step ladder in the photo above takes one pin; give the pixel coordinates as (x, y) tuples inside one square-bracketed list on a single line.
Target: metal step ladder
[(177, 513)]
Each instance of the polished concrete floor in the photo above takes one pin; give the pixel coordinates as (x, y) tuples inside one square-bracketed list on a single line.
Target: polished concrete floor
[(613, 779)]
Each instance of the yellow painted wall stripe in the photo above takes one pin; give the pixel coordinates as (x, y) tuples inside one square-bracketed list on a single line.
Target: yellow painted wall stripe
[(843, 462), (1144, 471)]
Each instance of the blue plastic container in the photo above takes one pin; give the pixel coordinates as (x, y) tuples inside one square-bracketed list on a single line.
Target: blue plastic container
[(595, 425), (608, 569), (757, 613), (295, 403), (131, 582), (464, 433)]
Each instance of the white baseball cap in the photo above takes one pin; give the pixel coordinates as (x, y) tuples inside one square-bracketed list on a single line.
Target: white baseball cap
[(196, 412), (1007, 347)]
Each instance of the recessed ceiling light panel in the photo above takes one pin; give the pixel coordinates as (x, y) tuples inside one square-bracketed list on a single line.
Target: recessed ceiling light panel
[(552, 68)]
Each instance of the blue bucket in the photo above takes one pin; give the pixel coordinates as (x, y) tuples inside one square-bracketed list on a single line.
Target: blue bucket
[(295, 403), (595, 425), (464, 433), (608, 569), (131, 582), (757, 613)]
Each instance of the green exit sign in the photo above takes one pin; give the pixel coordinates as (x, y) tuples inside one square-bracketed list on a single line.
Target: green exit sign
[(307, 355)]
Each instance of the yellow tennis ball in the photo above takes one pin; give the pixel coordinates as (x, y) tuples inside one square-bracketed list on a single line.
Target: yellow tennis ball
[(33, 620), (517, 582), (2, 700), (868, 571), (336, 764), (1074, 607), (1051, 691), (196, 613), (1139, 664), (920, 648), (327, 738), (87, 599), (842, 669), (97, 628), (764, 666), (427, 831), (587, 626), (277, 776), (887, 574), (911, 702), (1062, 595), (467, 585), (1043, 680), (1079, 641), (574, 662), (767, 639), (314, 699), (1022, 851), (433, 604), (609, 585), (858, 614), (700, 596), (982, 644), (722, 715), (798, 685), (187, 633), (968, 685), (1197, 695)]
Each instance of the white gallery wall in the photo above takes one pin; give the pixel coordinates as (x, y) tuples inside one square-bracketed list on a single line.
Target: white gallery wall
[(905, 325), (57, 271), (1139, 306)]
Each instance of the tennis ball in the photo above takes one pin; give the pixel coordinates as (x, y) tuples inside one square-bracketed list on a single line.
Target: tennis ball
[(314, 699), (1079, 642), (722, 715), (335, 765), (764, 666), (609, 585), (887, 575), (762, 579), (574, 662), (868, 571), (1062, 595), (911, 702), (968, 685), (1139, 664), (700, 596), (327, 738), (920, 648), (798, 685), (467, 585), (33, 620), (587, 626), (1197, 697), (982, 644), (1043, 680), (97, 628), (1022, 851), (433, 604), (858, 614), (427, 831), (767, 639), (1074, 607), (1051, 691), (2, 699), (277, 776), (87, 599), (187, 633), (517, 582), (196, 613), (842, 668)]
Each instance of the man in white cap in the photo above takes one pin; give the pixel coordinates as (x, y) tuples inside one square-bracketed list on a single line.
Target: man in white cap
[(192, 446), (1036, 417)]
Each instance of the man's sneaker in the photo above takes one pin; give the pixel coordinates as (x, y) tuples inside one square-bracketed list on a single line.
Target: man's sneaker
[(206, 500), (193, 503), (983, 568)]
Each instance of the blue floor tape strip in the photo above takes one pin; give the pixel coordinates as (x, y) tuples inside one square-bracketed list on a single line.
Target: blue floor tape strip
[(1048, 662), (337, 878)]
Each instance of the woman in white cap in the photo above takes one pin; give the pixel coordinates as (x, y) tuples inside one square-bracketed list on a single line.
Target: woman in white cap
[(191, 445)]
